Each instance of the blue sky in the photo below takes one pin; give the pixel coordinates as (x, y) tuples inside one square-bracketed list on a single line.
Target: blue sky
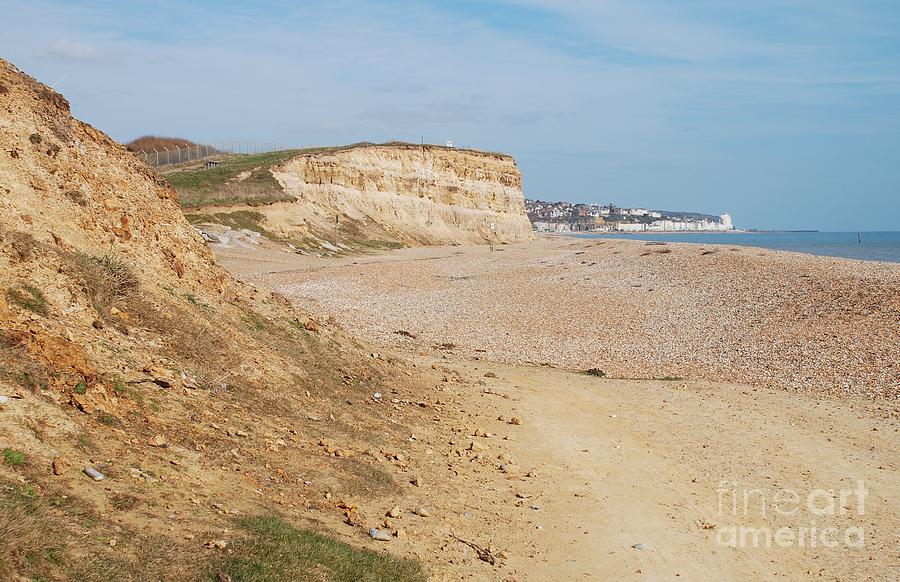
[(785, 113)]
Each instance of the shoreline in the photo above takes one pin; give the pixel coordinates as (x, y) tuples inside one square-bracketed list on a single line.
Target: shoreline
[(801, 250)]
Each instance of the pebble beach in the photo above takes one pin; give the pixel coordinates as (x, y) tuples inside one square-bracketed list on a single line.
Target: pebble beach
[(626, 308)]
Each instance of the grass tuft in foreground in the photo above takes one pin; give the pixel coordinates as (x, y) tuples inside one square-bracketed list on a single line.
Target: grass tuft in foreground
[(28, 297), (13, 458), (277, 551)]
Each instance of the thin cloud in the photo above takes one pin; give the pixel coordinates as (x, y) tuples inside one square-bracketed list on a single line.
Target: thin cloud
[(72, 51)]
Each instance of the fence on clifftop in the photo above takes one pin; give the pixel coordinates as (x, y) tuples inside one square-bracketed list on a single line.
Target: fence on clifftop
[(187, 153)]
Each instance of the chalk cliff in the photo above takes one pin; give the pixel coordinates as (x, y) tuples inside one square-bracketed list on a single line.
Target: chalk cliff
[(403, 193)]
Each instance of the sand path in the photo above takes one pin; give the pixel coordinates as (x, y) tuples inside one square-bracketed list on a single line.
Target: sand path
[(620, 463)]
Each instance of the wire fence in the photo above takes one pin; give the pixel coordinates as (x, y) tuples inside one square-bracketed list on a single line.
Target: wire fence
[(189, 153)]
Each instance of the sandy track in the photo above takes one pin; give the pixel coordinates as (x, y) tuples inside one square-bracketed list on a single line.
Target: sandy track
[(618, 463)]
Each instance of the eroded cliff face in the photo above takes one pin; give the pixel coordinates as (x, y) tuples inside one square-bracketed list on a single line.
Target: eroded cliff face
[(404, 193), (121, 340)]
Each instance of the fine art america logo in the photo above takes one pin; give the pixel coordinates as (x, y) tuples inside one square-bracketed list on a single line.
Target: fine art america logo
[(804, 519)]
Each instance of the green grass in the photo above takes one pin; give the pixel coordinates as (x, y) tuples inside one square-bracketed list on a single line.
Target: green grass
[(219, 186), (277, 551), (13, 458), (28, 297), (237, 220)]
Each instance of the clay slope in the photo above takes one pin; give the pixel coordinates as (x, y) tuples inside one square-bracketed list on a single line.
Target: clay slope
[(124, 348)]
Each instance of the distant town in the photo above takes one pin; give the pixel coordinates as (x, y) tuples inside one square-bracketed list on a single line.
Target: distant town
[(571, 217)]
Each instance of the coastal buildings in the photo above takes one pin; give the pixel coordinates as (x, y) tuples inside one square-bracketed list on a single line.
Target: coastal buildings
[(569, 217)]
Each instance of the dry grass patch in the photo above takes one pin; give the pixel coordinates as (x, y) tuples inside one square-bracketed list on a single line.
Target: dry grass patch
[(275, 551), (29, 545), (28, 297), (19, 245), (105, 279)]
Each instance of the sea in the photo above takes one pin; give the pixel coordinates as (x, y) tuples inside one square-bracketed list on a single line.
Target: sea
[(866, 246)]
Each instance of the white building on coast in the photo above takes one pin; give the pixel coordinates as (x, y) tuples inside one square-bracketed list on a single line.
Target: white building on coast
[(668, 225)]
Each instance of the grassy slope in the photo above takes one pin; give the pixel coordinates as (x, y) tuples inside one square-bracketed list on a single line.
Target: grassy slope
[(42, 537), (60, 528), (219, 186)]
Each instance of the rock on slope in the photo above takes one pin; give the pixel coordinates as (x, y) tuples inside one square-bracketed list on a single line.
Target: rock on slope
[(124, 347)]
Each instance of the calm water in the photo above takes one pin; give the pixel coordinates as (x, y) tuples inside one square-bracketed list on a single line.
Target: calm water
[(875, 246)]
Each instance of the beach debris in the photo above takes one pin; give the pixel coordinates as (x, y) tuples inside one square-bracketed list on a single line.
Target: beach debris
[(60, 465), (490, 375), (216, 544), (377, 396), (484, 554), (422, 512), (4, 399), (138, 474), (158, 441), (639, 546), (377, 534), (94, 473), (476, 447), (394, 512)]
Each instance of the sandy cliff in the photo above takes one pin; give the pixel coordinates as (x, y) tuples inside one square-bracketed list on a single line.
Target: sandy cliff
[(404, 193), (125, 348)]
